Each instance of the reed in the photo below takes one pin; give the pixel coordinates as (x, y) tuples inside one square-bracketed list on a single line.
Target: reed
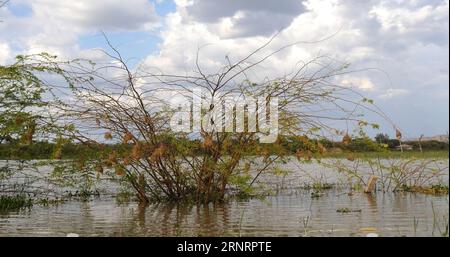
[(15, 202)]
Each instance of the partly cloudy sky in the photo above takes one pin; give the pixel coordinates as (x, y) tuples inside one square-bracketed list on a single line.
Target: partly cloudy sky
[(400, 46)]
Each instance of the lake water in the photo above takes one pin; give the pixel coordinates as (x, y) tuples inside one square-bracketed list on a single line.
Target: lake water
[(391, 214), (292, 211)]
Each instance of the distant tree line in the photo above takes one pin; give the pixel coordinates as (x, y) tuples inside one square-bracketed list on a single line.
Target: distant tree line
[(285, 145), (427, 145)]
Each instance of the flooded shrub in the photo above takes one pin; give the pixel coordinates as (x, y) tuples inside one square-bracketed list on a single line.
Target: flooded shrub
[(347, 210), (134, 111), (439, 189), (15, 202), (411, 175)]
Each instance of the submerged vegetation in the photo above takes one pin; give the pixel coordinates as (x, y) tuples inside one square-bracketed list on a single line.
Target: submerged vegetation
[(347, 210), (410, 175), (138, 143), (90, 128), (435, 189), (14, 203)]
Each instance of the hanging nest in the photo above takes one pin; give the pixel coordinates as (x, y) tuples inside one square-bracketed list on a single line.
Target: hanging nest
[(137, 151), (158, 153), (300, 154), (247, 167), (350, 157), (79, 165), (108, 136), (346, 139), (57, 155), (112, 159), (309, 155), (322, 149), (127, 137), (148, 120), (208, 142), (119, 170), (398, 134), (28, 137), (266, 155), (127, 160), (99, 168), (304, 139)]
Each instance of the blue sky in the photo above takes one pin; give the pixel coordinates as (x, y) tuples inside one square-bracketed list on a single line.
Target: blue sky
[(134, 45), (401, 47), (20, 9)]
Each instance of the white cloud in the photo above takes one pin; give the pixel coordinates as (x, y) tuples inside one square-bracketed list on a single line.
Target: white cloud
[(398, 47), (4, 53), (397, 17), (401, 43), (363, 84), (394, 92), (56, 26), (243, 18), (96, 15)]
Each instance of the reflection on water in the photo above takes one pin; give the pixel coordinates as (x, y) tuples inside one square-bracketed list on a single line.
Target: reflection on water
[(290, 212), (388, 214)]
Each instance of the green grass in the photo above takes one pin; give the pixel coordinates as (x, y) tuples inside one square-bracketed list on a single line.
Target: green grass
[(347, 210), (390, 154), (13, 203), (45, 150)]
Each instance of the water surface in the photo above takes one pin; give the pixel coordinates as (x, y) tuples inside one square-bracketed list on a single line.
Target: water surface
[(388, 214), (289, 211)]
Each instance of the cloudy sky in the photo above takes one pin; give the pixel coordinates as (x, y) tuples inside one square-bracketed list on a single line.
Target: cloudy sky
[(401, 47)]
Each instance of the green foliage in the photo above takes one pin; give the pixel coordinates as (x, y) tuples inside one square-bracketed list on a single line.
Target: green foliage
[(363, 144), (156, 162), (15, 202), (440, 188), (241, 182), (429, 145), (21, 96), (47, 150), (382, 138), (347, 210)]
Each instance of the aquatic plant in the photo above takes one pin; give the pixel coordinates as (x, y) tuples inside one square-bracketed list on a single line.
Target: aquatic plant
[(440, 223), (322, 186), (305, 221), (162, 165), (415, 224), (347, 210), (14, 202), (411, 175), (316, 194), (439, 188)]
